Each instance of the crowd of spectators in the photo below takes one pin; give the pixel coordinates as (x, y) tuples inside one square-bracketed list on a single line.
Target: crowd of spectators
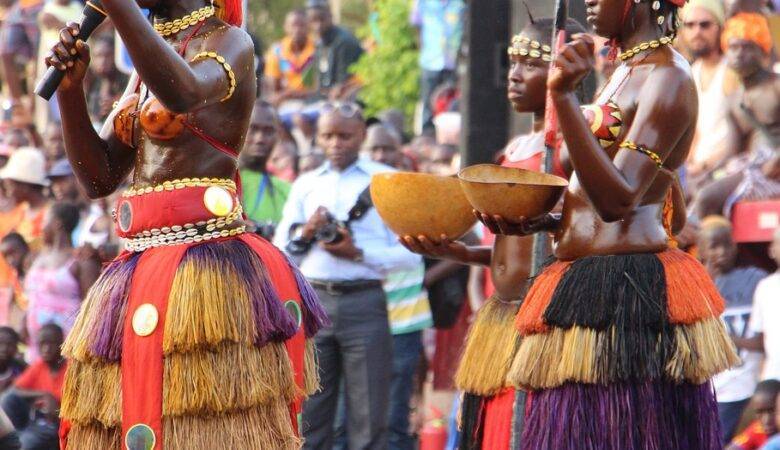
[(399, 320)]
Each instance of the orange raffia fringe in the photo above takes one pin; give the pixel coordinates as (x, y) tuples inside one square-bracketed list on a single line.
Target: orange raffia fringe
[(208, 305), (691, 294), (530, 318), (490, 347), (91, 393), (94, 437), (264, 427), (311, 375), (549, 360), (235, 377)]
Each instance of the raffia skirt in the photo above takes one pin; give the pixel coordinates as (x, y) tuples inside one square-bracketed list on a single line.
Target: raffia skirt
[(197, 346), (617, 353)]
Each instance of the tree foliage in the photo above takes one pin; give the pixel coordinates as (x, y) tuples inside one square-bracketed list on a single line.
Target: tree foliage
[(390, 71)]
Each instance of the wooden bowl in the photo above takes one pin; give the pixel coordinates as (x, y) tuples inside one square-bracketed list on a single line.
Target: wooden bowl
[(510, 193), (422, 204)]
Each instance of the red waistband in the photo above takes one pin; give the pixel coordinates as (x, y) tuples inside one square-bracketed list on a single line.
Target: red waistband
[(176, 207)]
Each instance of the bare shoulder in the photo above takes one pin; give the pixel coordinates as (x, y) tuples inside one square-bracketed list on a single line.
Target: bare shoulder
[(671, 87), (230, 39)]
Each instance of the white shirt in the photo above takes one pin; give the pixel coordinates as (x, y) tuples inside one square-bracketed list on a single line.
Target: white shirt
[(338, 192), (766, 319), (711, 124)]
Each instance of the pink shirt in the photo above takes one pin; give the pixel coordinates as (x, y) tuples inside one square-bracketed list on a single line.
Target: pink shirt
[(54, 296)]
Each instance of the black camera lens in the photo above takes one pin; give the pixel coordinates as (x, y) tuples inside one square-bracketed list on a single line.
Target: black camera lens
[(329, 234)]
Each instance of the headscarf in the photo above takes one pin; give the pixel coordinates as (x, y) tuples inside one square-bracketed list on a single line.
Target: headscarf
[(751, 27), (714, 7)]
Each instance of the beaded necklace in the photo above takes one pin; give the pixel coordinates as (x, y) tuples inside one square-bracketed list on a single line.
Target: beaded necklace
[(193, 18)]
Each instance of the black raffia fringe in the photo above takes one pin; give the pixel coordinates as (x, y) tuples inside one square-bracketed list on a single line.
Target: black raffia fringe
[(472, 412), (623, 293)]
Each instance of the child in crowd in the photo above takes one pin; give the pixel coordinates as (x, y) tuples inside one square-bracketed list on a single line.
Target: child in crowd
[(718, 254), (774, 442), (758, 433), (10, 366), (33, 403)]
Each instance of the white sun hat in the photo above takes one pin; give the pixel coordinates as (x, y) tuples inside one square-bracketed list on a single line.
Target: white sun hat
[(26, 165)]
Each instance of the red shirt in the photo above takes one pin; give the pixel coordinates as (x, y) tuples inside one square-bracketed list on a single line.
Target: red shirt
[(752, 438), (39, 377)]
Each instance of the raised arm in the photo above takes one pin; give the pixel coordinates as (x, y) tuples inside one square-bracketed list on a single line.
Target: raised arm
[(179, 85), (100, 163), (664, 115)]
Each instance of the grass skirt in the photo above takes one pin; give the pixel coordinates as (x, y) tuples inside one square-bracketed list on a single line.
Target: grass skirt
[(618, 351), (227, 378)]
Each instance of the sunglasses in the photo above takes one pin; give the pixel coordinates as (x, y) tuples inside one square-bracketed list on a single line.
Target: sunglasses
[(704, 25), (347, 110)]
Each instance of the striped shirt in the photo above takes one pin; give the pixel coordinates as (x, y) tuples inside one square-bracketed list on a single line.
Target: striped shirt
[(407, 301)]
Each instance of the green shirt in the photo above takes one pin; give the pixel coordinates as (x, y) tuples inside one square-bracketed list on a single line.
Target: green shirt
[(267, 208)]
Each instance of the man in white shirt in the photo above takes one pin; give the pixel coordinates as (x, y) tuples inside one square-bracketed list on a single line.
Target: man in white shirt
[(765, 319), (344, 249), (702, 22)]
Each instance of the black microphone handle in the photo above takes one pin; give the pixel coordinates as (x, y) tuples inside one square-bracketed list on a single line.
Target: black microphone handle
[(53, 76)]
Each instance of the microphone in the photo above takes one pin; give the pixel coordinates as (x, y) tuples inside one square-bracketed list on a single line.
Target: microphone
[(93, 15)]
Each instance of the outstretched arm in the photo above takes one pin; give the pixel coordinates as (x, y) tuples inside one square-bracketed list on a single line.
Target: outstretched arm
[(663, 117)]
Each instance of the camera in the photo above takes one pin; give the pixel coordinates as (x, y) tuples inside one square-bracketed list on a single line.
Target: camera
[(265, 229), (329, 233)]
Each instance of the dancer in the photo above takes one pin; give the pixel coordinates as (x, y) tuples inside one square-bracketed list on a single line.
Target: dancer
[(621, 335), (487, 414), (193, 338)]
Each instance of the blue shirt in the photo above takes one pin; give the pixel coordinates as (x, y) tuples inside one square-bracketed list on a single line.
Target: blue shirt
[(441, 30), (338, 192), (772, 444)]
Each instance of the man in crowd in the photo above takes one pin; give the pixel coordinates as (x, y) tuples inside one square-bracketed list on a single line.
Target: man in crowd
[(440, 23), (337, 50), (264, 194), (750, 167), (718, 254), (702, 24), (345, 250), (289, 63)]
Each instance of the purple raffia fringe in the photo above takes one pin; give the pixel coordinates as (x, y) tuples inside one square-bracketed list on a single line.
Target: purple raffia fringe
[(273, 322), (114, 286), (652, 415), (314, 315)]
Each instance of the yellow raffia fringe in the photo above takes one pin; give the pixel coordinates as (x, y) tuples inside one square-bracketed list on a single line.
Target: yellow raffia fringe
[(208, 305), (91, 393), (709, 338), (546, 361), (266, 427), (94, 437), (535, 360), (235, 377), (490, 346), (77, 343), (311, 374)]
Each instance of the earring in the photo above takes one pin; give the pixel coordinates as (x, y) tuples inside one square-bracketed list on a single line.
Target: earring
[(656, 5), (660, 20)]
